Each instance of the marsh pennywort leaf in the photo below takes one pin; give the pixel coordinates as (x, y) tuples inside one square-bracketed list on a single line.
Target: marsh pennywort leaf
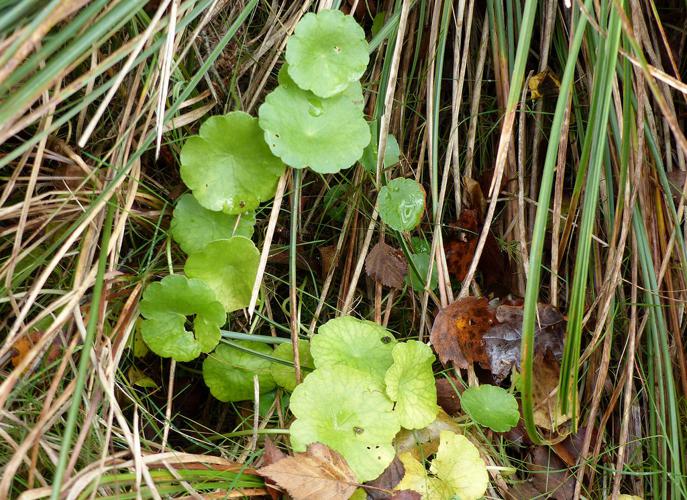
[(417, 479), (228, 166), (491, 406), (228, 371), (194, 226), (421, 262), (392, 153), (305, 130), (347, 410), (327, 52), (165, 307), (410, 382), (229, 267), (458, 464), (285, 375), (401, 203), (457, 471), (356, 343)]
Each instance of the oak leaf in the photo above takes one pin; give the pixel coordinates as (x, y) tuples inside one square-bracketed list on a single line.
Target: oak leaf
[(319, 472)]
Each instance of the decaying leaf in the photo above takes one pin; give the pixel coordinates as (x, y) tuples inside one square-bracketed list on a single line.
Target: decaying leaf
[(547, 410), (502, 341), (543, 84), (379, 488), (319, 472), (473, 196), (460, 250), (458, 330), (425, 442), (549, 475), (386, 265), (676, 179), (471, 330), (447, 397)]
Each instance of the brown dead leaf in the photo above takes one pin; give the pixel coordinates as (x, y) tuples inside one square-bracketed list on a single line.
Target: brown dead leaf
[(676, 179), (447, 397), (23, 345), (544, 84), (320, 472), (386, 265), (460, 246), (327, 258), (547, 412), (406, 495), (549, 474), (474, 197), (502, 342), (471, 330), (271, 455), (380, 488), (458, 330)]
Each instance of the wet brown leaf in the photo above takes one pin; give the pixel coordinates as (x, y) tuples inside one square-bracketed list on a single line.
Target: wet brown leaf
[(406, 495), (458, 330), (502, 342), (320, 472), (327, 258), (271, 455), (379, 488), (471, 330), (549, 475), (460, 246), (386, 265), (447, 397)]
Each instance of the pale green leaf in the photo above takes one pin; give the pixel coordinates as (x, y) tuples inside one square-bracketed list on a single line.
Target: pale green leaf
[(284, 375), (347, 410), (229, 371), (327, 52), (229, 267), (392, 153), (194, 226), (491, 406), (416, 478), (459, 465), (401, 204), (165, 307), (410, 382), (304, 130), (349, 341), (228, 166)]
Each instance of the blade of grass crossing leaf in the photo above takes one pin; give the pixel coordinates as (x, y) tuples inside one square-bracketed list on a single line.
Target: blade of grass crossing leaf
[(539, 233), (599, 123)]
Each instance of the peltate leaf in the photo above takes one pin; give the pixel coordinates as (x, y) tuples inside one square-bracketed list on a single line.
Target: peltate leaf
[(491, 406), (228, 371), (360, 344), (347, 410), (228, 166), (458, 464), (401, 203), (194, 226), (284, 375), (165, 306), (229, 267), (410, 382), (327, 52), (305, 130)]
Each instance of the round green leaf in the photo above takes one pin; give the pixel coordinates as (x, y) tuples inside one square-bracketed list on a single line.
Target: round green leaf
[(326, 52), (421, 262), (458, 465), (229, 267), (491, 406), (228, 166), (392, 153), (304, 130), (348, 411), (360, 344), (285, 375), (410, 382), (228, 371), (193, 226), (401, 203), (165, 306)]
